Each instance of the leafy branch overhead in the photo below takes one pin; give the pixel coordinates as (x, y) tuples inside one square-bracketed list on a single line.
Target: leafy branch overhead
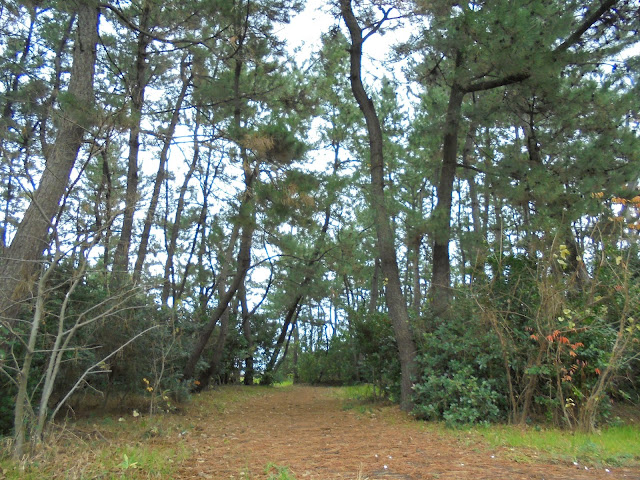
[(439, 199)]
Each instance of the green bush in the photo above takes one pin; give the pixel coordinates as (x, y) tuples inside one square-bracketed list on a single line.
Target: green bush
[(461, 377), (459, 399), (377, 350), (333, 366)]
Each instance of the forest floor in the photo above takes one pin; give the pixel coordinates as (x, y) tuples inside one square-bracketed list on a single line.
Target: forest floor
[(311, 433)]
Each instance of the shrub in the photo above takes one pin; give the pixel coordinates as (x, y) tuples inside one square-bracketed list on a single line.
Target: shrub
[(461, 375), (459, 399)]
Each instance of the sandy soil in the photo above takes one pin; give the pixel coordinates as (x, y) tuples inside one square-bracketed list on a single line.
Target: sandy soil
[(309, 431)]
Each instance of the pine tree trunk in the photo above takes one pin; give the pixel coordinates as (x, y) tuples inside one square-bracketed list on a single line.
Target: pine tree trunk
[(386, 241), (244, 262), (246, 332), (175, 228), (121, 256), (155, 196), (414, 249), (20, 259), (475, 251), (218, 350), (375, 287), (306, 281), (441, 276), (103, 223)]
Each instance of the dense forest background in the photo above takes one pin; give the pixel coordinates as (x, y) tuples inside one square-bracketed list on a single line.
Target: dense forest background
[(184, 201)]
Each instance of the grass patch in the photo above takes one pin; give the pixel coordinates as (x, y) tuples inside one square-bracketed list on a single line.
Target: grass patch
[(285, 383), (277, 472), (616, 445), (221, 399), (126, 445), (363, 400), (357, 393), (611, 446), (134, 448)]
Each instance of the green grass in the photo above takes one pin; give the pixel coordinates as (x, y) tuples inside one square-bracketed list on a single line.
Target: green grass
[(360, 393), (285, 383), (133, 451), (615, 445), (123, 446), (116, 446), (359, 398), (277, 472), (611, 446), (148, 459)]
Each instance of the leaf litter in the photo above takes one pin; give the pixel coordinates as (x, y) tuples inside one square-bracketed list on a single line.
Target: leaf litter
[(308, 431)]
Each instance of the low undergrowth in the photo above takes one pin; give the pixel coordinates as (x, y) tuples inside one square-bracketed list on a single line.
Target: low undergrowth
[(611, 446), (121, 443), (615, 445), (133, 445)]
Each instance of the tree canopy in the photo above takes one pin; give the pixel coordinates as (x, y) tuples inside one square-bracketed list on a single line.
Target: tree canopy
[(187, 201)]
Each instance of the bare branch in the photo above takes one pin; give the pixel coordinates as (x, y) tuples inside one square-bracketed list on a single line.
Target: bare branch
[(183, 41), (376, 26), (92, 369)]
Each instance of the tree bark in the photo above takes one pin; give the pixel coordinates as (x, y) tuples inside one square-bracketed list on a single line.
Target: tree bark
[(22, 397), (291, 311), (20, 259), (246, 332), (441, 293), (386, 244), (164, 154), (121, 256), (218, 350), (415, 238), (296, 353), (104, 194), (175, 228), (244, 262), (375, 286), (244, 259), (475, 250)]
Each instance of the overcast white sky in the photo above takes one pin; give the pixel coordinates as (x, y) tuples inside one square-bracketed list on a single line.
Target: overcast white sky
[(303, 38)]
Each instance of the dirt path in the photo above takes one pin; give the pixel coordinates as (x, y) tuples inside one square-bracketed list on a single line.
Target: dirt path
[(308, 430)]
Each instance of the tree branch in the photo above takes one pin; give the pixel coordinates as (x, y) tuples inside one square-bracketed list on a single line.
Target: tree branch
[(569, 42), (183, 41), (93, 369), (378, 24), (586, 24), (495, 83)]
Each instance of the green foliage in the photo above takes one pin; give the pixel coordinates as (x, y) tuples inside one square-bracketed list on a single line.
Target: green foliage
[(566, 343), (611, 446), (365, 354), (546, 156), (107, 321), (459, 399), (277, 472), (461, 379), (7, 403), (333, 364), (378, 353), (360, 393)]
